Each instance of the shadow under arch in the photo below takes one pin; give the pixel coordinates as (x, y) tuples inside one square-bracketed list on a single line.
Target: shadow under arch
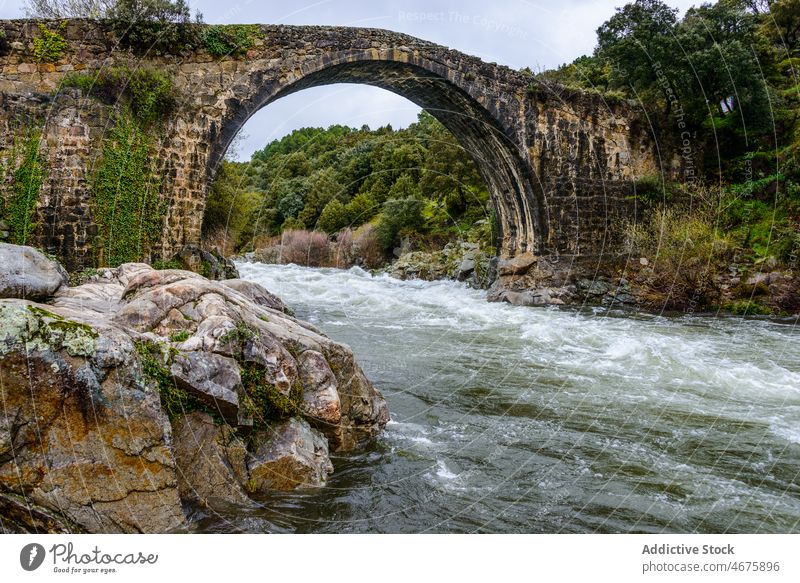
[(513, 187)]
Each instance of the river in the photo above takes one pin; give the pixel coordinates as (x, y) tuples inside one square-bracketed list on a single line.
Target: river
[(509, 419)]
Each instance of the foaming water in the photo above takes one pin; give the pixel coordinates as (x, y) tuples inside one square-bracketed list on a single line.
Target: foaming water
[(508, 419)]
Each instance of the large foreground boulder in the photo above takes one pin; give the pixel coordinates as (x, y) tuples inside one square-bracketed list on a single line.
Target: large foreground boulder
[(82, 436), (27, 273), (143, 390)]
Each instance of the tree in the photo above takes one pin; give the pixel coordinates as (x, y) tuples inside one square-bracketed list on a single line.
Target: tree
[(324, 187), (404, 187), (721, 65), (334, 217), (783, 25), (68, 8), (398, 215), (638, 41)]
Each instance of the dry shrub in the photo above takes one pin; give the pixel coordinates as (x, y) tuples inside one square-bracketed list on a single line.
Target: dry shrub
[(360, 247), (309, 248), (315, 249), (686, 253)]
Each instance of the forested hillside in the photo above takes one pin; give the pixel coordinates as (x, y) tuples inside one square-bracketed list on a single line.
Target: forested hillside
[(416, 183)]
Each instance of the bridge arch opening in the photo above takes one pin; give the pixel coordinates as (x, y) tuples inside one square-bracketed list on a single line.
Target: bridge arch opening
[(514, 190)]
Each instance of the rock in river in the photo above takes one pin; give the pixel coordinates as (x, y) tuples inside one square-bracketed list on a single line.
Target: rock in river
[(142, 390)]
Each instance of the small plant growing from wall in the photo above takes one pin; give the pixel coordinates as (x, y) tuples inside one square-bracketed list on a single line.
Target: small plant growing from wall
[(49, 46), (229, 40)]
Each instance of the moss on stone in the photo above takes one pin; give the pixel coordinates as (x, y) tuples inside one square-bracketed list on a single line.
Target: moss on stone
[(39, 329), (175, 401), (180, 336), (263, 401), (232, 40), (241, 333)]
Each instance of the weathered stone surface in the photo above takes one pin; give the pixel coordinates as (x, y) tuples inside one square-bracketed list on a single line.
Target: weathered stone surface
[(289, 456), (211, 461), (321, 403), (461, 261), (84, 442), (516, 266), (221, 320), (206, 263), (211, 378), (258, 294), (82, 435), (559, 164), (27, 273)]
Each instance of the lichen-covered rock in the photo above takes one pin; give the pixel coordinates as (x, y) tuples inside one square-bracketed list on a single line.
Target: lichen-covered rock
[(212, 317), (462, 261), (27, 273), (211, 461), (94, 383), (321, 402), (83, 437), (288, 456)]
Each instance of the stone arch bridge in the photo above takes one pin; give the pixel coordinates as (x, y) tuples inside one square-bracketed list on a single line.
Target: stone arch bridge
[(559, 164)]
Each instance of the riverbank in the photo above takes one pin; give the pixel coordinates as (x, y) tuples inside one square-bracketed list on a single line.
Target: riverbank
[(631, 282)]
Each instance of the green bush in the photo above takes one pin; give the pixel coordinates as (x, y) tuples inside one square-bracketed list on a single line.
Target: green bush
[(149, 93), (153, 25), (398, 214), (5, 46), (686, 252), (49, 45), (229, 40), (334, 217)]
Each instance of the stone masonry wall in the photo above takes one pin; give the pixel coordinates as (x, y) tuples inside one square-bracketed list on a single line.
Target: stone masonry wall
[(559, 165)]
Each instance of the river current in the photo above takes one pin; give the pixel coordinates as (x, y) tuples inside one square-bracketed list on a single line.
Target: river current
[(510, 419)]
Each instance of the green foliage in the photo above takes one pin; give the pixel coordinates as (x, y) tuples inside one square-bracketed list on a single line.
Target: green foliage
[(233, 209), (229, 40), (77, 278), (20, 198), (748, 308), (398, 215), (264, 401), (175, 401), (153, 25), (49, 45), (148, 93), (171, 264), (180, 336), (125, 195), (686, 253), (339, 177), (292, 224), (236, 336), (783, 25), (334, 217), (5, 46)]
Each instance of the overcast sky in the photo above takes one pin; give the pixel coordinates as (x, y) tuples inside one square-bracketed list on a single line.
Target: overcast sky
[(517, 33)]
